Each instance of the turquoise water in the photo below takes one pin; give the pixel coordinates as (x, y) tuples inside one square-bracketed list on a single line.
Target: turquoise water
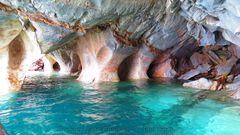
[(51, 106)]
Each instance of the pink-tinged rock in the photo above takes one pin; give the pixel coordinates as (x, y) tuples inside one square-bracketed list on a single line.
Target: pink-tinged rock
[(100, 56), (235, 70), (16, 56), (111, 68), (235, 50), (88, 48), (226, 67), (199, 59), (68, 59), (214, 57), (19, 55), (37, 66), (2, 130), (136, 66), (139, 67), (199, 70), (164, 70), (110, 72)]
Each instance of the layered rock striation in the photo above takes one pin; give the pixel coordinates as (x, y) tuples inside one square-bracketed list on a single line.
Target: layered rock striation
[(114, 40)]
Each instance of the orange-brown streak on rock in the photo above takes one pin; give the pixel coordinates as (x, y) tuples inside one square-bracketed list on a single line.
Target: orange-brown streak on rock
[(133, 67), (163, 67), (16, 57), (38, 17), (6, 8), (88, 48), (123, 38), (110, 72), (152, 49)]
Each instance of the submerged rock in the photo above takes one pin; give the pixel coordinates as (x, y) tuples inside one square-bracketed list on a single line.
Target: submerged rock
[(2, 130), (235, 94)]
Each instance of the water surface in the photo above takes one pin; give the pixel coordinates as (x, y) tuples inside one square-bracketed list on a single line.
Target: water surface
[(61, 106)]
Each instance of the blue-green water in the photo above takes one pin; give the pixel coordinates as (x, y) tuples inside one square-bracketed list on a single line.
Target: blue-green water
[(50, 106)]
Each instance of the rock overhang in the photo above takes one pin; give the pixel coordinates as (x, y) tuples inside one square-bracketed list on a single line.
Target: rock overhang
[(159, 37)]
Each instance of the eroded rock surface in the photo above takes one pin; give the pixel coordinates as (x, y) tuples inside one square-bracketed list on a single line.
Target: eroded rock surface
[(234, 88), (115, 40)]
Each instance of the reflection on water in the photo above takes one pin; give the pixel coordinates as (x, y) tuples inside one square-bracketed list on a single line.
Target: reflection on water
[(53, 105)]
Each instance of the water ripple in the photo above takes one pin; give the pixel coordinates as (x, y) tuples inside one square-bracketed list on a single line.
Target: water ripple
[(63, 106)]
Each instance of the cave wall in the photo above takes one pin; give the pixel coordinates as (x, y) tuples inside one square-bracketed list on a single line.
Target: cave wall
[(18, 55), (113, 40)]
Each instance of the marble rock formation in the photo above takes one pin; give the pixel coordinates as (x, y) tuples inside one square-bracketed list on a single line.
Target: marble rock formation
[(201, 83), (162, 67), (114, 40), (68, 59), (17, 51), (234, 88), (100, 55), (136, 65)]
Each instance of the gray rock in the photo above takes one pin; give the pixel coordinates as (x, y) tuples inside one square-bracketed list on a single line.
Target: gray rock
[(215, 16), (200, 69), (122, 28), (202, 83)]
